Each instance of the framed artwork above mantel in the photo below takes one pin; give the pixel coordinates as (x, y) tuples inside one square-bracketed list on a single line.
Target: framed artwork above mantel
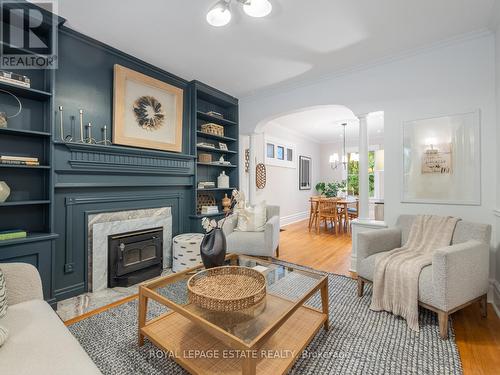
[(147, 112)]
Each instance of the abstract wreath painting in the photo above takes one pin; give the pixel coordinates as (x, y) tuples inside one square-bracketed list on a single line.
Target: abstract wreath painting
[(147, 112)]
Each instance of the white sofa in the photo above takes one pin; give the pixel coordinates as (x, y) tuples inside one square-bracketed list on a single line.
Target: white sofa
[(39, 342)]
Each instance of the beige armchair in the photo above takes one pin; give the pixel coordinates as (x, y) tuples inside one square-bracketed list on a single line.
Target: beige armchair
[(457, 277), (264, 243)]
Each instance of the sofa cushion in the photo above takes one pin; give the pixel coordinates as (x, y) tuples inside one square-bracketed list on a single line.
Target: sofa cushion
[(425, 286), (252, 219), (39, 343)]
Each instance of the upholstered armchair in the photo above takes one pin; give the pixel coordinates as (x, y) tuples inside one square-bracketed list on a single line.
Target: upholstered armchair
[(264, 243), (457, 277)]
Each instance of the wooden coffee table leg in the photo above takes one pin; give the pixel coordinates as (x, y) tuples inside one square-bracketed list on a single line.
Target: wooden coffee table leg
[(324, 303), (143, 307), (249, 366)]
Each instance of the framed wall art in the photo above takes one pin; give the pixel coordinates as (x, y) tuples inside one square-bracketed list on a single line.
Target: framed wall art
[(304, 173), (147, 112), (442, 160)]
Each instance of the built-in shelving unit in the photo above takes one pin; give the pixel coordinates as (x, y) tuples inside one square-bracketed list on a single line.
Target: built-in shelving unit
[(206, 99), (29, 135), (30, 205)]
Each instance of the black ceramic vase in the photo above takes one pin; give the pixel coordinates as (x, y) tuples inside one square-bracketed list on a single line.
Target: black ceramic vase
[(213, 248)]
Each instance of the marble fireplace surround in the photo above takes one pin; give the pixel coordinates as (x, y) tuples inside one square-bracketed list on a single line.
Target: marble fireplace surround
[(102, 225)]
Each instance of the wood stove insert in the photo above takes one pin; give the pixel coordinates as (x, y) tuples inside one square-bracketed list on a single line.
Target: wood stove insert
[(134, 257)]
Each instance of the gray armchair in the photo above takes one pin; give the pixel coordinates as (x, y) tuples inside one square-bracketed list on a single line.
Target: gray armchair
[(457, 277), (264, 243)]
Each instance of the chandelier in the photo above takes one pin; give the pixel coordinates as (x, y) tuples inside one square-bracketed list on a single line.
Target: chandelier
[(334, 159), (220, 13)]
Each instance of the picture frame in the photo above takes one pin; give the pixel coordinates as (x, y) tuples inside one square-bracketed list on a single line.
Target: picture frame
[(223, 146), (442, 160), (147, 112), (305, 172)]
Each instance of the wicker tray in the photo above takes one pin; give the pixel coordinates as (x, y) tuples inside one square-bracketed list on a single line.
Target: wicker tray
[(228, 288)]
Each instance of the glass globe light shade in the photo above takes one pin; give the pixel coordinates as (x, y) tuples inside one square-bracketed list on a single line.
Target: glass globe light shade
[(219, 15), (258, 8)]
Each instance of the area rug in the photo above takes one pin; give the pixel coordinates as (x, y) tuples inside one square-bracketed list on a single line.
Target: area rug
[(360, 341)]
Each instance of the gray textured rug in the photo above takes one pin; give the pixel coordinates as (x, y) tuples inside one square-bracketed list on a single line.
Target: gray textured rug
[(360, 341)]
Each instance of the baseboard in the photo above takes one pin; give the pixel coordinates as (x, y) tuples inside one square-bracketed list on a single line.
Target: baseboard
[(495, 298), (285, 220)]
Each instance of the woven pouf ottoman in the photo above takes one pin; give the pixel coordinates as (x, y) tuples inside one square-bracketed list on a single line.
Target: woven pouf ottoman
[(186, 251)]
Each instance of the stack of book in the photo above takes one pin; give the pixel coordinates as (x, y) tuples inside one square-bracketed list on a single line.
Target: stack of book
[(207, 210), (14, 79), (206, 185), (12, 234), (19, 160)]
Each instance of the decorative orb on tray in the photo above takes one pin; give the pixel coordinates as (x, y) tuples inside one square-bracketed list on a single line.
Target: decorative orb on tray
[(228, 288)]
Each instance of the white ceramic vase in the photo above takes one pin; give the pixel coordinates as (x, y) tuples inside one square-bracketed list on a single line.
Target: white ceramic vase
[(4, 191)]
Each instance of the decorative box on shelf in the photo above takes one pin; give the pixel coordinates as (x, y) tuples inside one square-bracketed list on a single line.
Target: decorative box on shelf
[(205, 158), (214, 129)]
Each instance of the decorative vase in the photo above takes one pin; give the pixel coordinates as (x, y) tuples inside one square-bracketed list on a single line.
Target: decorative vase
[(226, 203), (213, 248), (4, 191), (223, 180)]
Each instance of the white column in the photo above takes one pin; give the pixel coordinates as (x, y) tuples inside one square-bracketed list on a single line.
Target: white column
[(364, 191), (251, 179)]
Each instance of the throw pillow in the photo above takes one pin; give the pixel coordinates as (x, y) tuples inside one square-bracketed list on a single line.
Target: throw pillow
[(3, 295), (252, 219), (4, 333)]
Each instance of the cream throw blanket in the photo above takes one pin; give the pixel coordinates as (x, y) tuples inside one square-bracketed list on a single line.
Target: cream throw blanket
[(395, 279)]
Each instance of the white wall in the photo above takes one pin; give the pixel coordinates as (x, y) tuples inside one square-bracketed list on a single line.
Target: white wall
[(496, 288), (446, 79), (282, 185)]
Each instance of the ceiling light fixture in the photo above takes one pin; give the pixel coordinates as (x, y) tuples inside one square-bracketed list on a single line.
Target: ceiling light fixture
[(220, 13)]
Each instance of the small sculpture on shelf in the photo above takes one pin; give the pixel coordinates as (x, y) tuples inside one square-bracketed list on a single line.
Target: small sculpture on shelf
[(3, 115), (4, 191)]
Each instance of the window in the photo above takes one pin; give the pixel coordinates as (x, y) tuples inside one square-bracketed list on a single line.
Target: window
[(280, 153), (304, 173), (353, 173), (270, 150)]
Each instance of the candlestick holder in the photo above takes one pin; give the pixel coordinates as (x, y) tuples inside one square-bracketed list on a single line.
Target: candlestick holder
[(105, 141), (89, 138)]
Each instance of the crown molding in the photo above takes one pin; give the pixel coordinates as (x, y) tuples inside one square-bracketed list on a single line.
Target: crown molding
[(298, 84)]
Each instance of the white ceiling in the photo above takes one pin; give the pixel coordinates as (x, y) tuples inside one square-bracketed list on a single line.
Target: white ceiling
[(323, 124), (299, 41)]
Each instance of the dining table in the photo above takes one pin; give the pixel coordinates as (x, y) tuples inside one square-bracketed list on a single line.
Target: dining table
[(343, 204)]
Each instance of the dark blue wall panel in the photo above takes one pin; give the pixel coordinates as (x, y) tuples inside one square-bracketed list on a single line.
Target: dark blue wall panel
[(91, 179)]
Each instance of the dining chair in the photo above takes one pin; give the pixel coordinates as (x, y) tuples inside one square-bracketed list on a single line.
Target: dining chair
[(327, 211), (313, 211)]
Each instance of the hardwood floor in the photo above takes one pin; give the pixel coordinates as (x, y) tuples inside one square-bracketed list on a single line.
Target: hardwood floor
[(478, 339)]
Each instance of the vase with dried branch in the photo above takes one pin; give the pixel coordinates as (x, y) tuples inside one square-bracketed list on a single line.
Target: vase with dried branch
[(213, 246)]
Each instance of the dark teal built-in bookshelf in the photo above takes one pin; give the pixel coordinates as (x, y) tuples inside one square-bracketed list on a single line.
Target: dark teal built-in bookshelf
[(205, 99)]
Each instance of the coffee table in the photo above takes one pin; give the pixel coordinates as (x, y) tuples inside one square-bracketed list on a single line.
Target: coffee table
[(264, 339)]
